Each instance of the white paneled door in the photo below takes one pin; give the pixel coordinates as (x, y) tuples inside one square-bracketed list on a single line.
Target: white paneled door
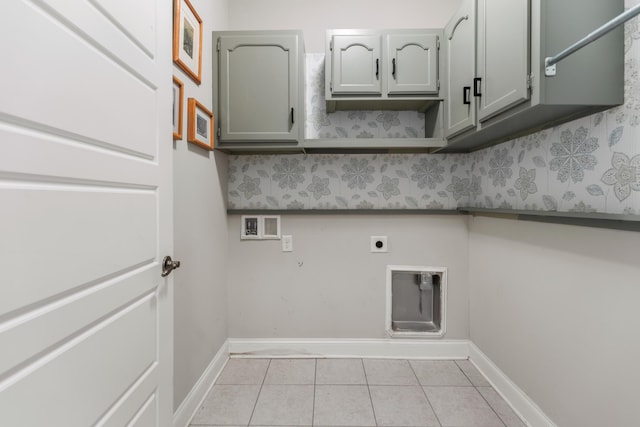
[(85, 213)]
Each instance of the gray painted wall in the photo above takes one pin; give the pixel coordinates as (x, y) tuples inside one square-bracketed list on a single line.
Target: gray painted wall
[(200, 230), (315, 17), (331, 285), (556, 308)]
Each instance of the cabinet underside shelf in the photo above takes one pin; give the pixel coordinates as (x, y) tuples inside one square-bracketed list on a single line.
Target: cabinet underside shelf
[(393, 104), (585, 219)]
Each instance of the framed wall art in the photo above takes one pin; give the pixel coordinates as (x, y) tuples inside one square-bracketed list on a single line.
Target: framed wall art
[(200, 124), (187, 39), (178, 102)]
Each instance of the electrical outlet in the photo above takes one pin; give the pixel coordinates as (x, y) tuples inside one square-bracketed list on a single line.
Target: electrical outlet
[(250, 228), (379, 244), (287, 243)]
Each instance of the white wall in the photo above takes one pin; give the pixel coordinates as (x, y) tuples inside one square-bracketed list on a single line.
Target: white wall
[(200, 316), (556, 308), (331, 285), (314, 16)]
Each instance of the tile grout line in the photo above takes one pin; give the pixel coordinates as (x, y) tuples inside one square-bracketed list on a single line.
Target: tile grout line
[(255, 405), (481, 395), (491, 406), (366, 379), (315, 379), (464, 373), (420, 385), (435, 414)]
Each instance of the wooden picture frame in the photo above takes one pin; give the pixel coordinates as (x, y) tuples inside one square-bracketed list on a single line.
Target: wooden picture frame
[(187, 39), (200, 124), (178, 107)]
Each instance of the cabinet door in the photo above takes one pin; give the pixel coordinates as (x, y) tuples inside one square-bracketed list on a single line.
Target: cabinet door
[(459, 43), (503, 55), (259, 88), (412, 63), (356, 64)]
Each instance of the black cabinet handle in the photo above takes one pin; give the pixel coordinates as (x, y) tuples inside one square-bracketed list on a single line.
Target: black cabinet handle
[(292, 120), (377, 67), (393, 67), (466, 91), (476, 86)]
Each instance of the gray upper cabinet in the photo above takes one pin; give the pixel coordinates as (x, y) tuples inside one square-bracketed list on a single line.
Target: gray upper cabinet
[(487, 44), (503, 55), (502, 92), (259, 90), (459, 43), (385, 70), (356, 64), (412, 63)]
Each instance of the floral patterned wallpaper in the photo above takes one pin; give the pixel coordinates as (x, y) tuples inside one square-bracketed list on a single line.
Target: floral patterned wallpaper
[(351, 124), (587, 165), (346, 181)]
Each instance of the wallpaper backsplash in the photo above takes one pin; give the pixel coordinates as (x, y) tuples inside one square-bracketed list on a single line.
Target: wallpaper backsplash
[(587, 165), (351, 124)]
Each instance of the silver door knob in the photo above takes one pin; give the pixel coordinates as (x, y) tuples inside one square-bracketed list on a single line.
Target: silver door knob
[(168, 265)]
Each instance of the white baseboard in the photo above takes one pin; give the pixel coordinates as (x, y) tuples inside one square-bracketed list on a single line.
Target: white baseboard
[(366, 348), (511, 393), (189, 406)]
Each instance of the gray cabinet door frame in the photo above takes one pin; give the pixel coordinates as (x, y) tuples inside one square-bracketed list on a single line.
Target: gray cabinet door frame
[(356, 64), (412, 63), (503, 55), (259, 80), (459, 43)]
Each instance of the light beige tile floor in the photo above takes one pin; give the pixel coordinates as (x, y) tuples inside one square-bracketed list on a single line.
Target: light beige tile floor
[(353, 392)]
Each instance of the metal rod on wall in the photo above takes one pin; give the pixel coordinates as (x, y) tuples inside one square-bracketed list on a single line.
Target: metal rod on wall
[(551, 61)]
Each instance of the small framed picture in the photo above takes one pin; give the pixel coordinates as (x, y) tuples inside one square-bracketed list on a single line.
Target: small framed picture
[(187, 39), (178, 102), (200, 124)]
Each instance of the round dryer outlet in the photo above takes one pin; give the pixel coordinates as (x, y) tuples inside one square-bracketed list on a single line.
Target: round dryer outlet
[(379, 244)]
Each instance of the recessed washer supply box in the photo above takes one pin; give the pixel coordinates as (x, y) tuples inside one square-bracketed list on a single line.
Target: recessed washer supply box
[(416, 301)]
